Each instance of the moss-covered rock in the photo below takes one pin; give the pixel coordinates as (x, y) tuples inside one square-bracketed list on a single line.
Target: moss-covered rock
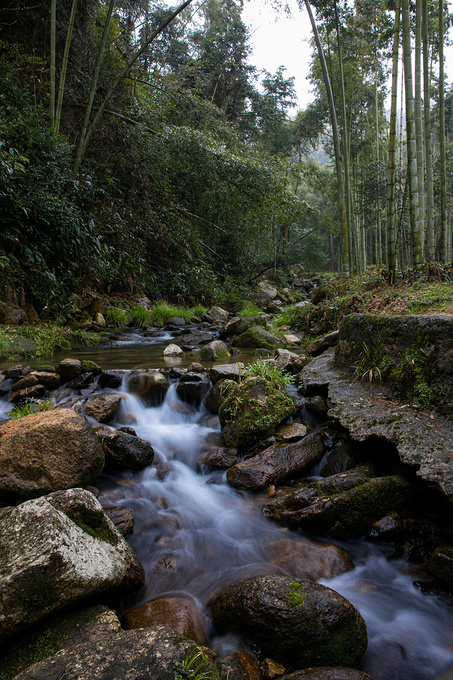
[(256, 336), (214, 351), (252, 411)]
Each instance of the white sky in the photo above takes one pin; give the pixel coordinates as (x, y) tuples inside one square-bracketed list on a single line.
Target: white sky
[(279, 39)]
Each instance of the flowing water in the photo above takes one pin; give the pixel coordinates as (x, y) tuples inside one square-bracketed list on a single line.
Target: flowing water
[(193, 533)]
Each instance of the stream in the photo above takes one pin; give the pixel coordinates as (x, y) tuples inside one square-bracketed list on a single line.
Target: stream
[(193, 533)]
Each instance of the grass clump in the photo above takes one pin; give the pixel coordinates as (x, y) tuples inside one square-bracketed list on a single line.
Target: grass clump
[(117, 316), (163, 312), (250, 309), (140, 316), (195, 665), (21, 410), (47, 338), (265, 369)]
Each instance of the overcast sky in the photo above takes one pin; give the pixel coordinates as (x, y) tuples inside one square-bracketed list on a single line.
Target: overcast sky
[(280, 39)]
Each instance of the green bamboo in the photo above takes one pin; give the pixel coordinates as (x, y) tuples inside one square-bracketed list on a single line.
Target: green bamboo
[(419, 139), (53, 33), (444, 232), (64, 66), (430, 236), (391, 198)]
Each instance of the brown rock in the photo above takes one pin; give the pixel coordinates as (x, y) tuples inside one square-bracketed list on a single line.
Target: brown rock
[(309, 559), (51, 381), (328, 674), (29, 380), (291, 432), (103, 407), (271, 669), (239, 665), (34, 392), (47, 451), (149, 385), (122, 518), (182, 615), (69, 368)]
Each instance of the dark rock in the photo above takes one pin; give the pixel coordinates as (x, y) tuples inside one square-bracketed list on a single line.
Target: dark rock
[(389, 528), (239, 665), (125, 451), (29, 380), (11, 314), (276, 613), (217, 395), (319, 346), (151, 386), (35, 392), (193, 392), (221, 457), (328, 674), (69, 368), (256, 336), (50, 380), (226, 372), (122, 517), (47, 451), (305, 558), (277, 463), (440, 565), (284, 359), (112, 379)]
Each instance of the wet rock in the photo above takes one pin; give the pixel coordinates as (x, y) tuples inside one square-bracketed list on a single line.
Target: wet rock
[(122, 517), (47, 451), (103, 407), (82, 382), (226, 372), (191, 376), (256, 336), (328, 674), (148, 654), (317, 405), (440, 565), (35, 392), (271, 669), (112, 379), (193, 392), (239, 665), (69, 368), (194, 339), (181, 407), (16, 372), (151, 386), (342, 458), (276, 613), (341, 506), (63, 632), (389, 528), (217, 395), (124, 451), (306, 558), (291, 432), (252, 412), (221, 457), (29, 380), (51, 381), (229, 328), (184, 616), (277, 463), (57, 550), (6, 385), (173, 350), (214, 351)]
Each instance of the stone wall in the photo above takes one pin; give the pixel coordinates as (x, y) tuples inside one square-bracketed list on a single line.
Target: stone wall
[(412, 352)]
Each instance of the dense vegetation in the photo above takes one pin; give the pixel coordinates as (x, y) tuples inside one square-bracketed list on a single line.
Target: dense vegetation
[(138, 154)]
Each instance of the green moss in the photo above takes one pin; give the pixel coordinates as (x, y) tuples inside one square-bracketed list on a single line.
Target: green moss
[(95, 524), (296, 594), (90, 367)]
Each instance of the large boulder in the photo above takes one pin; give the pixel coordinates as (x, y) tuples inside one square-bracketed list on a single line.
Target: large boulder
[(306, 558), (277, 462), (299, 623), (343, 506), (252, 411), (45, 452), (226, 372), (217, 395), (57, 550), (214, 351), (217, 314), (149, 654)]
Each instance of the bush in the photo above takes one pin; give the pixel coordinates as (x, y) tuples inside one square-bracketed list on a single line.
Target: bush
[(117, 316)]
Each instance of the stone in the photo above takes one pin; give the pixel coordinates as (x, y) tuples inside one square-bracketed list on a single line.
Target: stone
[(291, 339), (226, 372), (103, 407), (148, 654), (99, 319), (214, 351), (124, 451), (50, 380), (62, 632), (342, 506), (151, 386), (389, 528), (29, 393), (218, 315), (219, 457), (193, 391), (112, 379), (256, 336), (229, 328), (11, 314), (69, 368), (268, 290), (284, 359), (291, 432), (45, 452), (252, 412), (271, 669), (29, 380), (181, 614), (194, 338), (122, 517), (57, 550), (277, 613), (240, 665), (440, 565), (89, 366), (306, 558), (217, 395), (173, 350), (319, 346), (277, 463)]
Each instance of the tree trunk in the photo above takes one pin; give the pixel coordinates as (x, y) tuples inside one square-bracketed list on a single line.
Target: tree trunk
[(416, 230), (53, 33), (419, 141), (345, 264), (445, 246), (64, 66), (391, 175)]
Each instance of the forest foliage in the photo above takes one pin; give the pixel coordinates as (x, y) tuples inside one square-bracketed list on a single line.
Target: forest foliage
[(199, 175)]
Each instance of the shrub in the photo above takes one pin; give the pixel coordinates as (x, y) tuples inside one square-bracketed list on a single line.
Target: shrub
[(117, 316), (139, 316)]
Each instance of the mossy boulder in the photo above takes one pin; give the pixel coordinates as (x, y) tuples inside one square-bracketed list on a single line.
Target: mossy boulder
[(256, 336), (298, 623), (252, 412), (217, 395), (214, 351)]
